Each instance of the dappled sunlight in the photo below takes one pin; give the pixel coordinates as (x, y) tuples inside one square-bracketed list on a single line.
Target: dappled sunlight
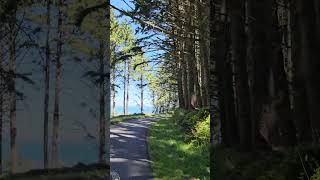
[(175, 157)]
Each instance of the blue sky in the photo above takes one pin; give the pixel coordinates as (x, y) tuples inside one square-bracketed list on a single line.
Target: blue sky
[(134, 92)]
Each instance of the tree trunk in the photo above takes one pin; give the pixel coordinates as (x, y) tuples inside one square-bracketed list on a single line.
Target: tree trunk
[(124, 87), (46, 89), (259, 51), (102, 93), (12, 91), (281, 88), (141, 85), (310, 62), (1, 100), (128, 84), (108, 83), (204, 51), (238, 37), (224, 77), (56, 111), (300, 107), (113, 92)]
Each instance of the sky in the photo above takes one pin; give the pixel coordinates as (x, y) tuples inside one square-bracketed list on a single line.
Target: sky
[(134, 91)]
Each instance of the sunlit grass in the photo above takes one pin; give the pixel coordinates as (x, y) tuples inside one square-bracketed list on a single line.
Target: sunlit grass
[(173, 156)]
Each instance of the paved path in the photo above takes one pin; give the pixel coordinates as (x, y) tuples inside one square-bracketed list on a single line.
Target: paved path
[(129, 155)]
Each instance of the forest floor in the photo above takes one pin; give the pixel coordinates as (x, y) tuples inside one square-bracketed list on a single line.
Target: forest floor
[(129, 151), (173, 155)]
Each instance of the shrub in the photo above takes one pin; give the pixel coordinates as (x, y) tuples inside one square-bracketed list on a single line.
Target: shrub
[(201, 133)]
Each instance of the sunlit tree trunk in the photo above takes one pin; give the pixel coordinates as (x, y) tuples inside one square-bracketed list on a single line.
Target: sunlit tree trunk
[(124, 87), (128, 84), (141, 93), (113, 92)]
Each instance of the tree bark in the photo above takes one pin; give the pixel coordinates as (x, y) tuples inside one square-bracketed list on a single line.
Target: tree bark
[(310, 63), (56, 111), (113, 92), (238, 37), (108, 83), (46, 89), (128, 84), (300, 107), (259, 51), (1, 100), (281, 88), (102, 102), (12, 91), (141, 85), (124, 87)]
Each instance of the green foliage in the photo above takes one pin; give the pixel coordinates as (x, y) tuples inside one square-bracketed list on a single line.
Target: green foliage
[(189, 120), (202, 131), (316, 175)]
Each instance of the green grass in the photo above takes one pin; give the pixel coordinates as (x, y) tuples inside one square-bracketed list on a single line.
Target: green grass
[(123, 118), (173, 156)]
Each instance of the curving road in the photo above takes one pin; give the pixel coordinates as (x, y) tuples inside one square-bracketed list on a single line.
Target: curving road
[(129, 154)]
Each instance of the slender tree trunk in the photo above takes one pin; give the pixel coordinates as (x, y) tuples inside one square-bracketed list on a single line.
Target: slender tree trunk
[(1, 99), (238, 37), (113, 92), (192, 72), (128, 84), (124, 87), (203, 36), (56, 111), (102, 93), (211, 70), (108, 83), (142, 89), (180, 87), (12, 91), (46, 89)]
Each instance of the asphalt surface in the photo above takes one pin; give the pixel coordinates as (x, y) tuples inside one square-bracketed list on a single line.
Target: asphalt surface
[(129, 150)]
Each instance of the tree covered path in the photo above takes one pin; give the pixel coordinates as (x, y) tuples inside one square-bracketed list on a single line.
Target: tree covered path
[(129, 154)]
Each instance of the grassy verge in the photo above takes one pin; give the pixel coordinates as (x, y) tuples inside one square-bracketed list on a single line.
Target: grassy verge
[(122, 118), (174, 156), (78, 172)]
